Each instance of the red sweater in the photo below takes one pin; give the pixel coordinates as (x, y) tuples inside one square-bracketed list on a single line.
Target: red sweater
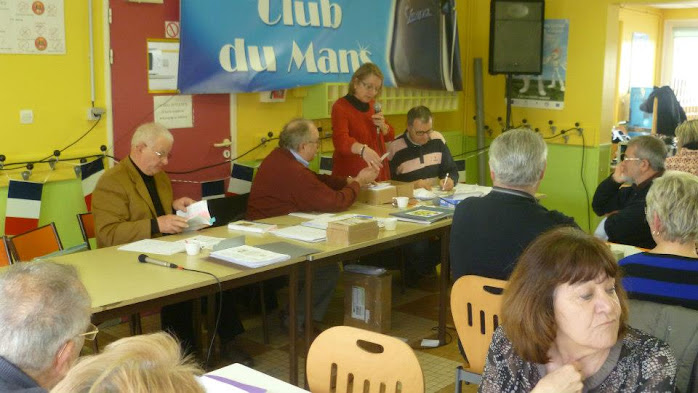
[(283, 185), (349, 125)]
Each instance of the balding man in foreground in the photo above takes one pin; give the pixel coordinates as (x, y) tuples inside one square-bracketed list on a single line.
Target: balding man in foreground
[(44, 321)]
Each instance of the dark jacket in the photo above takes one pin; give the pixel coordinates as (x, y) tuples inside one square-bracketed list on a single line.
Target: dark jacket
[(669, 112), (490, 232), (627, 224), (14, 380)]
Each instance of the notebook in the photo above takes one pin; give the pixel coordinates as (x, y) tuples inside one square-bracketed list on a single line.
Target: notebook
[(423, 214)]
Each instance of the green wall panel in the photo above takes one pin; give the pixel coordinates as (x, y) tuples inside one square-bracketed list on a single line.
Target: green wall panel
[(60, 203)]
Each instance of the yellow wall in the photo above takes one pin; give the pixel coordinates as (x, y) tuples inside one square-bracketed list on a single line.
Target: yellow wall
[(636, 19), (57, 89), (586, 83), (690, 13)]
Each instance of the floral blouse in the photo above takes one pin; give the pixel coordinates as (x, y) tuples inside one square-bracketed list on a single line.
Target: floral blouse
[(685, 161), (637, 363)]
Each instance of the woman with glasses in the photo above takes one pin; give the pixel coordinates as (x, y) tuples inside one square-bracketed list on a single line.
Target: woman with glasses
[(668, 273), (359, 129)]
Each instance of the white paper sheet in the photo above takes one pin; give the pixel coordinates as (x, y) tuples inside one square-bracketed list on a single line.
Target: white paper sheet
[(197, 216), (152, 246), (299, 232), (206, 242)]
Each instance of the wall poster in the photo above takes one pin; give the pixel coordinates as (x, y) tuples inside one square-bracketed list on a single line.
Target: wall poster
[(32, 27), (546, 91)]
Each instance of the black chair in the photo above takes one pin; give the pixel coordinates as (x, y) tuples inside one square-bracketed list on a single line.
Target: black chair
[(227, 209)]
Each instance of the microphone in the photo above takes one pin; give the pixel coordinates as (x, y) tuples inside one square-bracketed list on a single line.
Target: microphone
[(146, 259), (377, 108)]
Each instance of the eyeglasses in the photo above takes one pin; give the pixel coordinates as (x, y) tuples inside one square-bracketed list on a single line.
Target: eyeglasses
[(89, 335), (91, 332), (632, 159), (420, 133), (316, 142), (161, 155), (370, 87)]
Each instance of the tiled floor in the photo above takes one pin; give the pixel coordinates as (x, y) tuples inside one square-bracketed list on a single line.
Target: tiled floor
[(414, 317)]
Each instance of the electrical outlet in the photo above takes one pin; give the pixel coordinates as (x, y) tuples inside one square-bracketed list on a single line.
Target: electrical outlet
[(95, 113), (26, 116)]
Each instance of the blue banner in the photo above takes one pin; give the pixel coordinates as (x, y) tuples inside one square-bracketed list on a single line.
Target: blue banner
[(261, 45)]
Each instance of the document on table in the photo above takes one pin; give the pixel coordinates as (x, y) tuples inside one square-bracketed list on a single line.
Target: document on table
[(152, 246), (299, 232), (207, 242), (310, 216), (213, 385), (249, 256), (321, 223)]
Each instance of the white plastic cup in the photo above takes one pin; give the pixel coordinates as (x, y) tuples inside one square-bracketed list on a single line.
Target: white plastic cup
[(390, 223), (192, 248), (401, 202)]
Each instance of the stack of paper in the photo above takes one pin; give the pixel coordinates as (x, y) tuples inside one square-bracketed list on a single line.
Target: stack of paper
[(423, 214), (299, 232), (321, 223), (249, 256), (250, 226)]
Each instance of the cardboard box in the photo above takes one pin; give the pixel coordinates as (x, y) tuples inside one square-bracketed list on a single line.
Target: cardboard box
[(385, 194), (367, 301), (351, 230)]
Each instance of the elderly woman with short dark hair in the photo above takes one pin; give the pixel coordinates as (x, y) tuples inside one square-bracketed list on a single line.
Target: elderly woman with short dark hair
[(564, 326)]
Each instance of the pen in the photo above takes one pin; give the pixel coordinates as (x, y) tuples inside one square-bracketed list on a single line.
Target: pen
[(445, 179)]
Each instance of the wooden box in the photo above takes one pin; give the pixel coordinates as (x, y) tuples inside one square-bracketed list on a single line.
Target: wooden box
[(385, 192), (352, 230)]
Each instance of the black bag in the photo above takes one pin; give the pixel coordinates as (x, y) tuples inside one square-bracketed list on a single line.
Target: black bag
[(425, 50)]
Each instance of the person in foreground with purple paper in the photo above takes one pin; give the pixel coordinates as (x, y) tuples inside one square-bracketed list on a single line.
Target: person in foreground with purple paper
[(151, 363)]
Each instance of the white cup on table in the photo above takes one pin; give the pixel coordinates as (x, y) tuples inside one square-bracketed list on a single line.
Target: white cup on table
[(390, 223), (192, 248), (401, 201)]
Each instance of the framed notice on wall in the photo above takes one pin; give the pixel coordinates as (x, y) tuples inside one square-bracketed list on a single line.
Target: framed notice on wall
[(163, 63)]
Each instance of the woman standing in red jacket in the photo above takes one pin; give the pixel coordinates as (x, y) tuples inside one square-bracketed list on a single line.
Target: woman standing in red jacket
[(359, 130)]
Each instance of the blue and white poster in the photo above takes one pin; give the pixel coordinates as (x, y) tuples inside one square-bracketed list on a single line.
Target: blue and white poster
[(547, 90), (261, 45)]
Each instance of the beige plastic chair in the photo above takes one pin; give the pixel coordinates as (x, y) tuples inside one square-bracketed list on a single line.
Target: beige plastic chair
[(348, 359), (475, 304)]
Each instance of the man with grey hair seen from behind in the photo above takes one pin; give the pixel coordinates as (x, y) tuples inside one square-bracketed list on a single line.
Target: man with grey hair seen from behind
[(624, 207), (44, 321), (490, 232)]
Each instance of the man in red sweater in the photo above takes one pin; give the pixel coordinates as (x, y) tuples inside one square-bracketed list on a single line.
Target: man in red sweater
[(284, 185)]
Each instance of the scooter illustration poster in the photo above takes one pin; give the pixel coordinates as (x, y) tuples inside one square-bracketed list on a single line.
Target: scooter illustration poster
[(547, 90)]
